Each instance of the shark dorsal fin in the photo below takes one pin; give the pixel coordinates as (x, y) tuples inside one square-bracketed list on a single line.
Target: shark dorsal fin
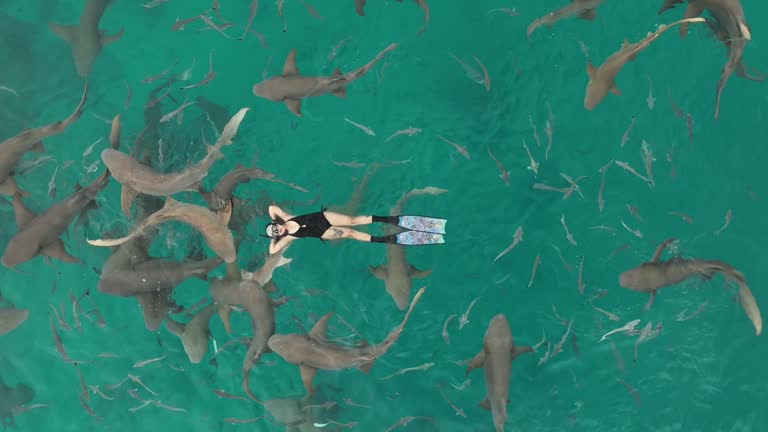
[(290, 68), (23, 214), (591, 70), (320, 330)]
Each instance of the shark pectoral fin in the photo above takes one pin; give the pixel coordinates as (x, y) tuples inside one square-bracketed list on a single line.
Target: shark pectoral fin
[(23, 214), (307, 376), (591, 70), (127, 196), (294, 105), (340, 92), (419, 274), (517, 350), (68, 33), (320, 330), (38, 147), (485, 404), (269, 287), (366, 368), (359, 7), (588, 15), (225, 312), (290, 68), (615, 90), (174, 327), (56, 250), (379, 271), (106, 39), (477, 362), (280, 301)]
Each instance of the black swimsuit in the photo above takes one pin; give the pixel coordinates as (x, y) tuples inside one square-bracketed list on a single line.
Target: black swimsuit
[(311, 225)]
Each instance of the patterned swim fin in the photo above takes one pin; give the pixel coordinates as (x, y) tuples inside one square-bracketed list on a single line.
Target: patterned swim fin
[(416, 238), (423, 224)]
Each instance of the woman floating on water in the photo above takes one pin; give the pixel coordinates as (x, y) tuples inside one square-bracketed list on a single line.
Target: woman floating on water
[(326, 225)]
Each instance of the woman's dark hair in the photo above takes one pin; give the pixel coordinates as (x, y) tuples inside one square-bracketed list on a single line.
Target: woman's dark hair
[(278, 237)]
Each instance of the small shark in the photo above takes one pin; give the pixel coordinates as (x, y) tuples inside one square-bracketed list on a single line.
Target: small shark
[(655, 274), (137, 178), (235, 289), (496, 357), (602, 80), (39, 234), (10, 398), (291, 413), (195, 335), (314, 351), (11, 318), (730, 25), (12, 149), (291, 87), (85, 38), (215, 233), (398, 273), (220, 197), (585, 9)]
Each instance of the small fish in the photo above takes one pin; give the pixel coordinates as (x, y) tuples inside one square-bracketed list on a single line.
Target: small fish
[(574, 185), (581, 275), (504, 172), (337, 48), (52, 183), (459, 148), (562, 259), (175, 113), (535, 130), (143, 363), (9, 90), (650, 99), (601, 193), (472, 73), (628, 327), (363, 128), (515, 241), (683, 216), (208, 77), (568, 234), (636, 232), (161, 74), (631, 170), (611, 316), (508, 11), (635, 212), (628, 132), (534, 166), (536, 263), (89, 149), (423, 367), (350, 164), (464, 319), (486, 76), (233, 420), (459, 411), (446, 335), (549, 130), (410, 131), (728, 216), (463, 386), (254, 9), (154, 3), (648, 159)]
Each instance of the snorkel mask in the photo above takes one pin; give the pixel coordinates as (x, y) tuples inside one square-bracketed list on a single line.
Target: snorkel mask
[(273, 230)]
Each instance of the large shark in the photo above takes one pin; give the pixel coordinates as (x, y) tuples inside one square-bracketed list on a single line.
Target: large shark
[(12, 149), (247, 289), (398, 273), (496, 357), (730, 25), (585, 9), (655, 274), (314, 351), (85, 38), (602, 80), (135, 178), (291, 87)]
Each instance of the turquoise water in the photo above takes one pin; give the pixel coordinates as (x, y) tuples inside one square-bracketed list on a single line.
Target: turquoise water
[(702, 374)]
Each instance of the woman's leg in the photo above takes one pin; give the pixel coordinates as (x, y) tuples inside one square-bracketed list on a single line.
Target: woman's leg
[(338, 219), (336, 232)]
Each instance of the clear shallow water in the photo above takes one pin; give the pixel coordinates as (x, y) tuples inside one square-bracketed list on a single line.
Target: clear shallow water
[(703, 374)]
